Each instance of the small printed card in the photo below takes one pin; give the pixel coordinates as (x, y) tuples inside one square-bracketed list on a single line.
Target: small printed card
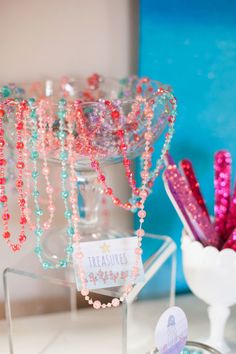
[(171, 331), (108, 263)]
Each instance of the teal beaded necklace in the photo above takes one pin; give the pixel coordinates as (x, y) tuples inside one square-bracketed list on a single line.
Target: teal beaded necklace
[(38, 129), (64, 175), (34, 155), (61, 114)]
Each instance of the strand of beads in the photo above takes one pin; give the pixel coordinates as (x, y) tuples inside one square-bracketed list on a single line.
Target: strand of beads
[(36, 143), (148, 104), (34, 156), (117, 117), (62, 135), (73, 175), (20, 110), (72, 230), (42, 130), (169, 135), (144, 177), (28, 142)]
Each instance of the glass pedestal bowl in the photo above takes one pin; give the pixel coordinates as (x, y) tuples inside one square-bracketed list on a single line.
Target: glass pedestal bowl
[(94, 96)]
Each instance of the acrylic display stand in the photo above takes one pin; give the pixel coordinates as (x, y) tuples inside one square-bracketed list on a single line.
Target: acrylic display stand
[(76, 330)]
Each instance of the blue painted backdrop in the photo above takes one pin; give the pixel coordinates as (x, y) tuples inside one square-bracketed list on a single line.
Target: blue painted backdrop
[(192, 46)]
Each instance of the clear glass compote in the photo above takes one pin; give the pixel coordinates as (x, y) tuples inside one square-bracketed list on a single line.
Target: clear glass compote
[(91, 93)]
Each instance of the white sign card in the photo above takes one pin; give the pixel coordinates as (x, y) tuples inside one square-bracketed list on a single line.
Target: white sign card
[(171, 331), (108, 263)]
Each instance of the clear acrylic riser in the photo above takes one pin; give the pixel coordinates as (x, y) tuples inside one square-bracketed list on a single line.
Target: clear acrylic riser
[(128, 329)]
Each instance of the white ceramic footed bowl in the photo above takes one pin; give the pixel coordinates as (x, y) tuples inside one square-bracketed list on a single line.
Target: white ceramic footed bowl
[(210, 274)]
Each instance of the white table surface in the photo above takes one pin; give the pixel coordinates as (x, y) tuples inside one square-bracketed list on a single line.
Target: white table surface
[(32, 333)]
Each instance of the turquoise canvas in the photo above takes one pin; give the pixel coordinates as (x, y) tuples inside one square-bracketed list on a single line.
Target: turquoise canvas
[(191, 45)]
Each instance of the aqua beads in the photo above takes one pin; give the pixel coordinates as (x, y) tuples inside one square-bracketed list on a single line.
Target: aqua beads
[(39, 212), (62, 134), (38, 231), (68, 214), (65, 194), (70, 231), (38, 250), (47, 265), (35, 174), (191, 351), (34, 155), (63, 263), (64, 174), (6, 91)]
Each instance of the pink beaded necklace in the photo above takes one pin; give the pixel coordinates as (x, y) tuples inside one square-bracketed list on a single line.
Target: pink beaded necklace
[(146, 177), (20, 109), (141, 192)]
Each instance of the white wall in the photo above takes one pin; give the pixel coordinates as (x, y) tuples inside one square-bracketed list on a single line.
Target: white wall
[(50, 38)]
